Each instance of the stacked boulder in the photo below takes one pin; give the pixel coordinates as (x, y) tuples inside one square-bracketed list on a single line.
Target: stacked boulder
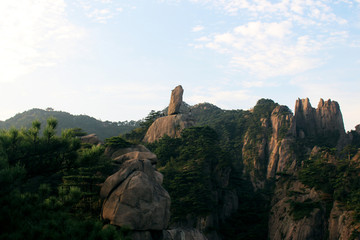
[(133, 196)]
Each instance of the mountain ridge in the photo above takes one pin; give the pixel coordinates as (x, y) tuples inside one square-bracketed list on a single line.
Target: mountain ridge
[(103, 129)]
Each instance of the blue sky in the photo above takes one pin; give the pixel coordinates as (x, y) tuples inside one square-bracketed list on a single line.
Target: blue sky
[(118, 59)]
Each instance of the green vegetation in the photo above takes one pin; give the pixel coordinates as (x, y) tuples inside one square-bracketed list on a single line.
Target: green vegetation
[(339, 178), (103, 129), (117, 142), (300, 210), (250, 222), (137, 134), (50, 185), (188, 166)]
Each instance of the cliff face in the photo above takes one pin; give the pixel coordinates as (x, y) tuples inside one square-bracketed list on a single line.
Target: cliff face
[(323, 122), (280, 154), (287, 221), (277, 152), (273, 148)]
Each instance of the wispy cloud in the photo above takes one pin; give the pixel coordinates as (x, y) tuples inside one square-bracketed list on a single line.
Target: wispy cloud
[(276, 39), (198, 28), (101, 11), (34, 34), (266, 49)]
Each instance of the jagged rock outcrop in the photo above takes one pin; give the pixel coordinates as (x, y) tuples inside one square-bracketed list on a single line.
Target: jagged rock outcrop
[(176, 100), (133, 196), (323, 122)]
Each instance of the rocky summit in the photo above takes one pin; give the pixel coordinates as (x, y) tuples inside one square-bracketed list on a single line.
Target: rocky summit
[(176, 100), (174, 123)]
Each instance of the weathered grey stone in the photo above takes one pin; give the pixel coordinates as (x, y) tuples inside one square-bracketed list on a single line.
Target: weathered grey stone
[(176, 100)]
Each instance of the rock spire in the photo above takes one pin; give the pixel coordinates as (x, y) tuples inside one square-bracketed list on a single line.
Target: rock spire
[(174, 123), (176, 100)]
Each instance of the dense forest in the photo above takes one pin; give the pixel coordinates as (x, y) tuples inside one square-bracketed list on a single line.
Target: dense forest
[(103, 129), (51, 183)]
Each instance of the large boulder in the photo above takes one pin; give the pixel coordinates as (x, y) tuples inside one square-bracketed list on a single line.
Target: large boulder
[(133, 196), (176, 100), (169, 125)]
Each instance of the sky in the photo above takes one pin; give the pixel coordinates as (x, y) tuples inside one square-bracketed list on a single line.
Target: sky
[(117, 60)]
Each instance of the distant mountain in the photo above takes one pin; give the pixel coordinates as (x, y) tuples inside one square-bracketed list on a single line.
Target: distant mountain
[(66, 120)]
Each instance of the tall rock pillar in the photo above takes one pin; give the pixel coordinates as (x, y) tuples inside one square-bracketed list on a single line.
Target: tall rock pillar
[(176, 100)]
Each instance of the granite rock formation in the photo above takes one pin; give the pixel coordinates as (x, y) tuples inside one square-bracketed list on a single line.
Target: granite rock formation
[(176, 100), (174, 123), (133, 196), (169, 125), (324, 121)]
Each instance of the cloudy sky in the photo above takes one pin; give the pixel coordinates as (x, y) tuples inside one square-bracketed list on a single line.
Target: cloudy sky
[(118, 59)]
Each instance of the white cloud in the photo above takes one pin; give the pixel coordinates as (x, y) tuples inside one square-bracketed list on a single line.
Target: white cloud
[(277, 37), (266, 49), (101, 11), (34, 34), (198, 28)]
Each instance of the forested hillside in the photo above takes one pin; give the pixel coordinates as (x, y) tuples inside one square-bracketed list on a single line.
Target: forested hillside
[(50, 185), (263, 173), (66, 120)]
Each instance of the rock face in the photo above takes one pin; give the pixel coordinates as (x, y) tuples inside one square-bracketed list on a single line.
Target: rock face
[(169, 125), (341, 225), (176, 100), (133, 196), (280, 154), (324, 121), (282, 221)]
